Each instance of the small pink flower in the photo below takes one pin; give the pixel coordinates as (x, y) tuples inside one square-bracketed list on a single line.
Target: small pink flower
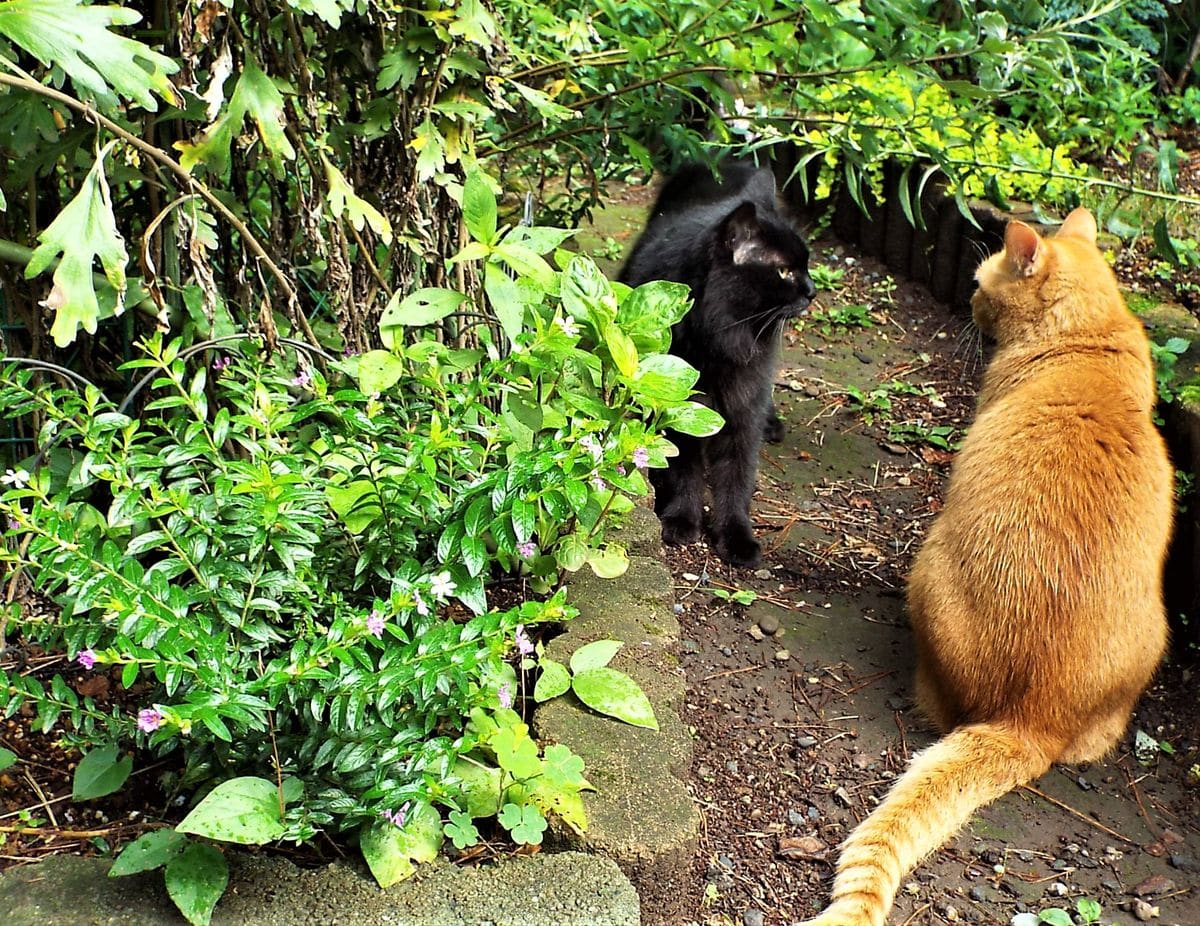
[(524, 644), (395, 817), (149, 719), (221, 364), (13, 524), (527, 549), (303, 378), (422, 607), (505, 696), (641, 457), (375, 623), (568, 326), (86, 658), (589, 443), (621, 469), (599, 483)]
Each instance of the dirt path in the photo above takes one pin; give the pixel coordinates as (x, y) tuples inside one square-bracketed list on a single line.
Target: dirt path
[(802, 728)]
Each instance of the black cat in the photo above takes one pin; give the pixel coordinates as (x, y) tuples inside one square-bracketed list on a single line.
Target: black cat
[(748, 272)]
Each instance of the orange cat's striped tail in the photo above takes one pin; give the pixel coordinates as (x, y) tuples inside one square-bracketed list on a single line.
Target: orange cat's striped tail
[(943, 786)]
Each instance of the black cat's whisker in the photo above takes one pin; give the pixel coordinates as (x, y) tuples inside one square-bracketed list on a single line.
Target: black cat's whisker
[(746, 320)]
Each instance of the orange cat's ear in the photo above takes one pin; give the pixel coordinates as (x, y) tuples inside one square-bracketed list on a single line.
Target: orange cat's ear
[(1022, 246), (1081, 224)]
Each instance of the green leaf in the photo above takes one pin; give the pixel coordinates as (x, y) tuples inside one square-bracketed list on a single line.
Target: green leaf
[(244, 810), (150, 850), (1055, 917), (391, 851), (328, 10), (479, 208), (1089, 909), (83, 231), (664, 378), (594, 655), (516, 753), (480, 787), (609, 561), (586, 293), (423, 307), (255, 96), (100, 772), (525, 824), (196, 878), (76, 38), (358, 212), (622, 349), (572, 552), (356, 503), (694, 419), (379, 371), (525, 263), (554, 680), (473, 22), (461, 830), (8, 759), (616, 694), (649, 311), (546, 107), (505, 298)]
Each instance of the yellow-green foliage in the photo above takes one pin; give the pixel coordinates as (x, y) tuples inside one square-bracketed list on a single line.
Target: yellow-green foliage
[(904, 114)]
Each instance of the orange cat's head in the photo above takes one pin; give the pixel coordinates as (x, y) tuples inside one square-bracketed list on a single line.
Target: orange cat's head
[(1041, 287)]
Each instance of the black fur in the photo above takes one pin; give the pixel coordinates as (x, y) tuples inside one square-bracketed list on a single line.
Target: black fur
[(748, 273)]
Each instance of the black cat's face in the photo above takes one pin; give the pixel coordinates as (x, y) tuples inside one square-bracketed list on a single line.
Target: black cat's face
[(771, 258)]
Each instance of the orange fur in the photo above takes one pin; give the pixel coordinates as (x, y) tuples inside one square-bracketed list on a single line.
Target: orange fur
[(1036, 598)]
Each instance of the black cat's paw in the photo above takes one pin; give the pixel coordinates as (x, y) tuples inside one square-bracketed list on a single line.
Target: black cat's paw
[(738, 547), (679, 532), (773, 430)]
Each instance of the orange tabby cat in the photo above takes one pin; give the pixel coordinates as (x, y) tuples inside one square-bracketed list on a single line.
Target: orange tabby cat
[(1036, 599)]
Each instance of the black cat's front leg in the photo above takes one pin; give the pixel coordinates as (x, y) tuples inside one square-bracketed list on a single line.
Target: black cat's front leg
[(773, 429), (679, 493), (732, 465)]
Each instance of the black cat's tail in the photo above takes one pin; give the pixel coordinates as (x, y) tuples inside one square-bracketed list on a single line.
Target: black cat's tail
[(695, 183)]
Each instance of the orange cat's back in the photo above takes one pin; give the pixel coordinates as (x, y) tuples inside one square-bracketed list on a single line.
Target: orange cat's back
[(1036, 597)]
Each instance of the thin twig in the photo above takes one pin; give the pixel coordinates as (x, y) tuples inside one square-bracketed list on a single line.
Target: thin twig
[(1075, 813)]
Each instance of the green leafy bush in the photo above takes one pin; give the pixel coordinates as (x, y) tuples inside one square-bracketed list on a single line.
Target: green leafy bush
[(291, 569)]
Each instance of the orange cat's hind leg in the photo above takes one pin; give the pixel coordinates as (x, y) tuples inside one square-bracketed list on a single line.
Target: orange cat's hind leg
[(933, 701), (1098, 739)]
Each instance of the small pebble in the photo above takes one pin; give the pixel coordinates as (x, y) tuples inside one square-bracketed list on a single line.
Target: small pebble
[(1183, 862), (1155, 884), (726, 651), (795, 818), (762, 573), (783, 655), (951, 913), (752, 917), (1058, 889), (977, 894), (804, 742), (768, 624), (1144, 911)]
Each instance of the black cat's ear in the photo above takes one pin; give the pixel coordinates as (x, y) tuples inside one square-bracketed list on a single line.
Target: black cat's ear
[(740, 230)]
